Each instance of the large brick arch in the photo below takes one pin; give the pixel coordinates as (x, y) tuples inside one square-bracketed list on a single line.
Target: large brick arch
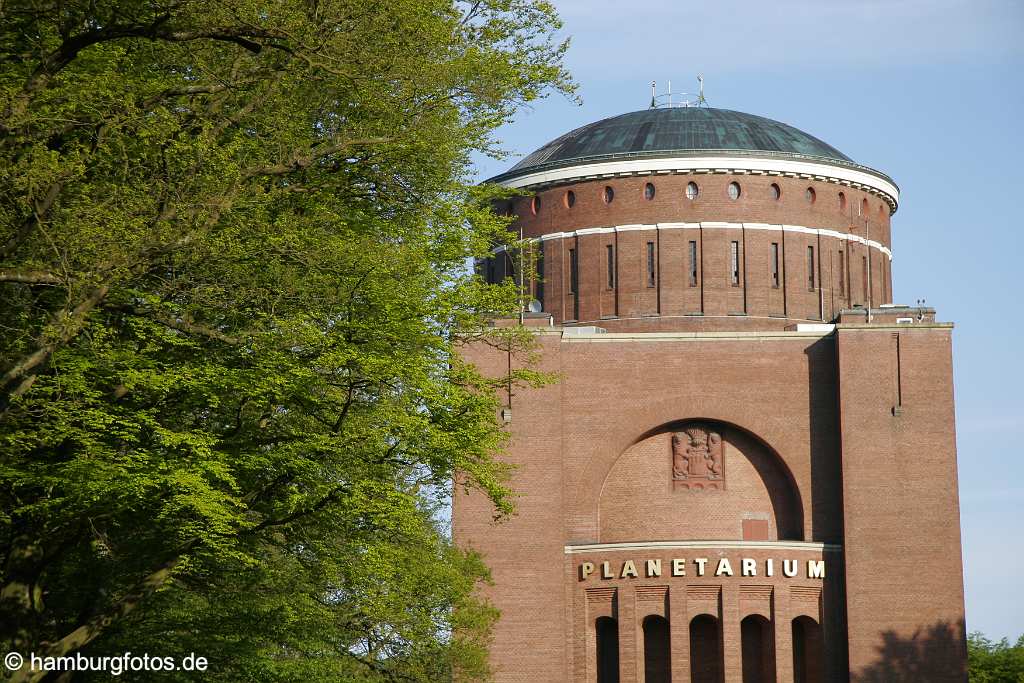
[(631, 495)]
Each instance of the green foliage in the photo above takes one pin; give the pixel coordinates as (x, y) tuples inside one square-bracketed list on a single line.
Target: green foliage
[(990, 662), (233, 246)]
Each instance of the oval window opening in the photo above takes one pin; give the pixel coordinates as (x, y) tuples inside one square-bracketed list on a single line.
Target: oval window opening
[(692, 191), (649, 191), (734, 190), (609, 195)]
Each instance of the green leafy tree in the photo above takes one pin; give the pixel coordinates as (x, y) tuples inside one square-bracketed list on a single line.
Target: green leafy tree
[(233, 238), (995, 662)]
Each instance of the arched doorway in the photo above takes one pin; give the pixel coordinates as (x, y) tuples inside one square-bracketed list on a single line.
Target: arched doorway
[(657, 657), (807, 651), (705, 650), (758, 643), (607, 650)]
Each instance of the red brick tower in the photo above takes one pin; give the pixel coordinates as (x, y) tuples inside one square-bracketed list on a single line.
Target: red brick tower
[(748, 469)]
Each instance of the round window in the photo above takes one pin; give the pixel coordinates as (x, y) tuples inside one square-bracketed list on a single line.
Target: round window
[(810, 195), (692, 190), (649, 191), (609, 195), (776, 192), (734, 190), (570, 198), (842, 201), (535, 205)]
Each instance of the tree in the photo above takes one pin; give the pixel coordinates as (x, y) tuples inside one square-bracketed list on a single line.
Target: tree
[(232, 288), (990, 662)]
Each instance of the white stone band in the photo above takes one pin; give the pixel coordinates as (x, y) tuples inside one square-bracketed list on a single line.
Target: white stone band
[(713, 225), (724, 545)]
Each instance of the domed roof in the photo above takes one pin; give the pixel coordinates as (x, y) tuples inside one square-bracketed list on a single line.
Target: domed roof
[(677, 131)]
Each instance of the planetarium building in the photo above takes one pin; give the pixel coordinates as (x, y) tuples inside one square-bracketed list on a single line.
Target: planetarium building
[(747, 469)]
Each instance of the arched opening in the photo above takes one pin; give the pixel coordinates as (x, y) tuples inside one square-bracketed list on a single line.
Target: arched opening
[(657, 660), (754, 495), (807, 655), (607, 650), (758, 643), (705, 650)]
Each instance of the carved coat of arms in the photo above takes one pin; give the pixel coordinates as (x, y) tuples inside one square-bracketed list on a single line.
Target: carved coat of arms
[(697, 459)]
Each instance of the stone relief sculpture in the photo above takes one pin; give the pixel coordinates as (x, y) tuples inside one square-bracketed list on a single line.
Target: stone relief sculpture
[(698, 459)]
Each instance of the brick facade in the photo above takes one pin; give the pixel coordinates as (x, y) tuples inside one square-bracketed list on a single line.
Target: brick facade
[(710, 423)]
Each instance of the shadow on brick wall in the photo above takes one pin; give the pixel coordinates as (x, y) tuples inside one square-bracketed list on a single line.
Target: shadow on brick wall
[(937, 653)]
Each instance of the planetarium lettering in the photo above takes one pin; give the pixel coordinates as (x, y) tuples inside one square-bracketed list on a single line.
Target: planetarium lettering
[(701, 566)]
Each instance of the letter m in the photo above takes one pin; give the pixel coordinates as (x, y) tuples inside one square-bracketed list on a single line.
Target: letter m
[(816, 569)]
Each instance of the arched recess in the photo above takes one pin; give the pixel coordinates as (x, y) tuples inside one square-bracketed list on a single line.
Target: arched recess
[(706, 650), (699, 478), (758, 649), (807, 651), (607, 631), (657, 650)]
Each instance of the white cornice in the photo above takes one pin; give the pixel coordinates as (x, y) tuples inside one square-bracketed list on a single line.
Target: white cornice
[(713, 225), (850, 177), (716, 545)]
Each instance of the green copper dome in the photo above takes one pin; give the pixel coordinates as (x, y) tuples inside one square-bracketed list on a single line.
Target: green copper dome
[(677, 131)]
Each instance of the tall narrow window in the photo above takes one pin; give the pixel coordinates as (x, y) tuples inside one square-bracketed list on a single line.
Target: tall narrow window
[(693, 263), (705, 650), (574, 273), (650, 264), (539, 291), (657, 658), (807, 651), (864, 277), (757, 648), (611, 266), (810, 268), (775, 264), (885, 280), (734, 263), (607, 650), (842, 273)]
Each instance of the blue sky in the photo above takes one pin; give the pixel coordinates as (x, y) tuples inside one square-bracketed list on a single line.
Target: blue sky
[(930, 92)]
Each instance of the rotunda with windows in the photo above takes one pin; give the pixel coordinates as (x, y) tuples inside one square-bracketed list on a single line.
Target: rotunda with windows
[(699, 219)]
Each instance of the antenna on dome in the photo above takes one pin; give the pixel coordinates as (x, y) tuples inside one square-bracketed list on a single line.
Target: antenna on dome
[(667, 99)]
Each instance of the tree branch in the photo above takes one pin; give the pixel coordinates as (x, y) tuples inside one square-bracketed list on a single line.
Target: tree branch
[(29, 277), (94, 627), (180, 324), (298, 162)]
